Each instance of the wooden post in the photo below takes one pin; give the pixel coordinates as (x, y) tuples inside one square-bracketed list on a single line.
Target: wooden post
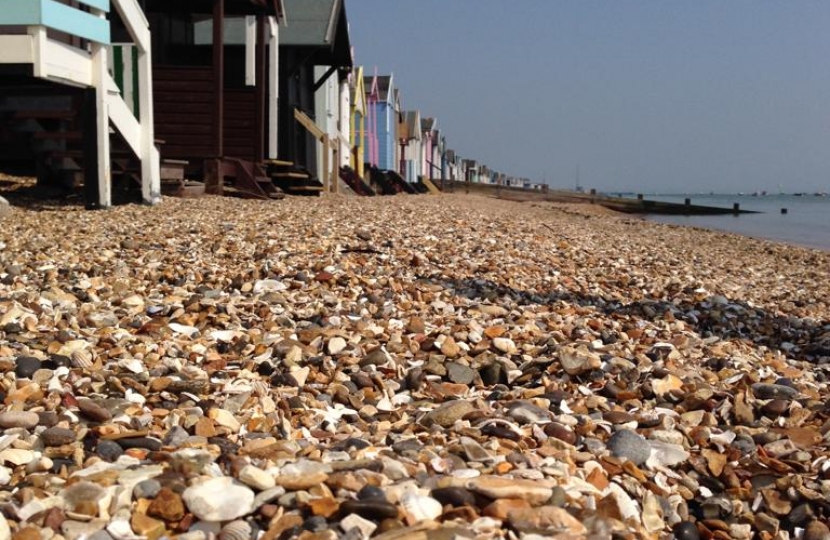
[(273, 86), (218, 77), (325, 141), (100, 76), (90, 149), (335, 169), (213, 177), (150, 168), (259, 91), (736, 208)]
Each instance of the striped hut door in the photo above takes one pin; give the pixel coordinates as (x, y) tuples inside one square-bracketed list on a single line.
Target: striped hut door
[(123, 66)]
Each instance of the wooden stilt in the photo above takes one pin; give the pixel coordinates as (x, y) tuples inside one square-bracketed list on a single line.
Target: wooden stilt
[(219, 77), (90, 148), (326, 170)]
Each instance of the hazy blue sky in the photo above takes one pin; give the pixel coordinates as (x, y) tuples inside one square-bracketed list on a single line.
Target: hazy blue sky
[(724, 95)]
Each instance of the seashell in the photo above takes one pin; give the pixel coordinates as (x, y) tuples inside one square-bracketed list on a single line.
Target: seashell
[(132, 364), (269, 285), (82, 358), (72, 346), (183, 329), (420, 507), (236, 530), (226, 335)]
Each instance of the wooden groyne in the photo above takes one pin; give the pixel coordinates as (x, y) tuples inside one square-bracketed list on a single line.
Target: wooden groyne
[(620, 204)]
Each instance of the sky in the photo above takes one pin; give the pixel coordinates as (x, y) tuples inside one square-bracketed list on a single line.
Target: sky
[(642, 96)]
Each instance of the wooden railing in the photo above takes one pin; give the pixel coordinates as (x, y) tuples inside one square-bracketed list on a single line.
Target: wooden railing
[(60, 61), (59, 16)]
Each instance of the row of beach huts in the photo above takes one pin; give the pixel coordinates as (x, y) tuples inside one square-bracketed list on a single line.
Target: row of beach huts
[(128, 99)]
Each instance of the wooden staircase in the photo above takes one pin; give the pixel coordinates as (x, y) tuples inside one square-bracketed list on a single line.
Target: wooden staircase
[(402, 185), (63, 47), (355, 182), (48, 131), (291, 179), (240, 178)]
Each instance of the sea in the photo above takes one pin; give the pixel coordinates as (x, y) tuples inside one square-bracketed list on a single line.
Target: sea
[(805, 223)]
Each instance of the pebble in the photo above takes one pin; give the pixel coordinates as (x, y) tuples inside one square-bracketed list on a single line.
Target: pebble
[(459, 373), (167, 505), (26, 366), (448, 413), (256, 478), (545, 519), (686, 530), (147, 489), (18, 419), (498, 487), (219, 499), (479, 372), (629, 445), (57, 436), (816, 530), (774, 391), (94, 411), (109, 450)]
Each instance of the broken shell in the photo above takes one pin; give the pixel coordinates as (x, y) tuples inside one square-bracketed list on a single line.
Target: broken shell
[(236, 530), (420, 507), (82, 358)]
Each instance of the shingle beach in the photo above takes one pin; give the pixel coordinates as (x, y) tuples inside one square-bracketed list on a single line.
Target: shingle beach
[(407, 367)]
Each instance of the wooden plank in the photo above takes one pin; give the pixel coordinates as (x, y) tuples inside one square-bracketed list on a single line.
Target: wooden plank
[(182, 74), (200, 87), (189, 151), (72, 21), (163, 96), (178, 117), (430, 185), (289, 175), (218, 75), (17, 49), (279, 162)]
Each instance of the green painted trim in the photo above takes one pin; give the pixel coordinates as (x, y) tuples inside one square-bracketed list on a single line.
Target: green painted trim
[(134, 67), (118, 66)]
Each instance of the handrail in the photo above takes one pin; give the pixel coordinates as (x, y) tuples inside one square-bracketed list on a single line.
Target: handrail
[(136, 22)]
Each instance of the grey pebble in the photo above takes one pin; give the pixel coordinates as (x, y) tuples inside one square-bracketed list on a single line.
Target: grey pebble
[(630, 445)]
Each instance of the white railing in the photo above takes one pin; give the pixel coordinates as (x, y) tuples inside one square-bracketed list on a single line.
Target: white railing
[(87, 66)]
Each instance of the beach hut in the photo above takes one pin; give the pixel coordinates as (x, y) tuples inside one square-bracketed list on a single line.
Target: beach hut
[(370, 139), (315, 63), (410, 137), (215, 85), (428, 125), (357, 121), (386, 115), (471, 171), (58, 98)]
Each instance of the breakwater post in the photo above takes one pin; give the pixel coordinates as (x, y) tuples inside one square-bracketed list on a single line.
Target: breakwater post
[(736, 208), (783, 210)]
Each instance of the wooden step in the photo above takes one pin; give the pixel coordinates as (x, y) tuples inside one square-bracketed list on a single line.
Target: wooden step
[(59, 135), (172, 169), (279, 163), (54, 114), (296, 175)]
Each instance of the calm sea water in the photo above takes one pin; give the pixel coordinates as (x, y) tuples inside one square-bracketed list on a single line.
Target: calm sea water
[(806, 223)]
